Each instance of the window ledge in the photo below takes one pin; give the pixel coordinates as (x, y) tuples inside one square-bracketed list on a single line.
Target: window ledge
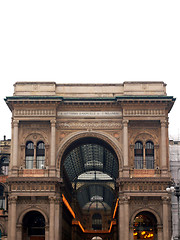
[(32, 172), (143, 172)]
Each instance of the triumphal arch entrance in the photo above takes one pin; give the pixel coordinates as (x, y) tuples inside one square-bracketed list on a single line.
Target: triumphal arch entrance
[(89, 161)]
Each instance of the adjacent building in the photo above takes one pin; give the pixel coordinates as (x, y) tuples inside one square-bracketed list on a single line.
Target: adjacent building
[(88, 161), (174, 150)]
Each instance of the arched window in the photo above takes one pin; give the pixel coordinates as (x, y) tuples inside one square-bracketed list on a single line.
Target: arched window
[(138, 155), (40, 155), (97, 221), (149, 155), (29, 155)]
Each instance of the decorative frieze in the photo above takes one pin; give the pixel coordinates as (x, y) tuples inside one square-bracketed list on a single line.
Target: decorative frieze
[(90, 125), (143, 112), (32, 187), (34, 112), (144, 187)]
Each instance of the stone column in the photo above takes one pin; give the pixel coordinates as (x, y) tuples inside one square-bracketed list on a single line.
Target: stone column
[(58, 219), (126, 218), (159, 232), (125, 142), (9, 219), (47, 232), (14, 166), (165, 218), (51, 217), (19, 232), (121, 219), (12, 227), (131, 231), (163, 144), (53, 147)]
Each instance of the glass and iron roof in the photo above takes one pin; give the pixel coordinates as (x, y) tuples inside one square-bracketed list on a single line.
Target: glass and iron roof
[(95, 196), (89, 158), (92, 167)]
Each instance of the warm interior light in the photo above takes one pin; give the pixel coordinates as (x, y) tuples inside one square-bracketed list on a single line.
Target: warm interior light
[(68, 206), (74, 222), (115, 209)]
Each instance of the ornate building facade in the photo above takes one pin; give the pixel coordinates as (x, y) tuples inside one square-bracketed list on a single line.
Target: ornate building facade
[(89, 161)]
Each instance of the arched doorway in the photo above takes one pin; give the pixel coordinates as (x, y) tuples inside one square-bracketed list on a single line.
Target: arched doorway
[(33, 226), (145, 226), (89, 168)]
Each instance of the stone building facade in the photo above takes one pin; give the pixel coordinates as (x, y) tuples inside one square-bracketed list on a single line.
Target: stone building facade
[(89, 161), (174, 155)]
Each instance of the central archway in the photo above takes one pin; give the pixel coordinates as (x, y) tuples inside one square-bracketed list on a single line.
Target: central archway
[(89, 168)]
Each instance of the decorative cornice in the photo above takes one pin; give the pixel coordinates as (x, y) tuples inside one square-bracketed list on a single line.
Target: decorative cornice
[(34, 112), (144, 112)]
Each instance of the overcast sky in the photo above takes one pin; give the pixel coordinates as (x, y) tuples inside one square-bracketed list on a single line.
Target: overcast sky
[(89, 41)]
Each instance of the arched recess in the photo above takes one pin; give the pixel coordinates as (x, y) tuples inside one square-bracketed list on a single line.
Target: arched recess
[(145, 226), (27, 211), (159, 221), (35, 137), (140, 228), (23, 213), (33, 225), (108, 139), (144, 136)]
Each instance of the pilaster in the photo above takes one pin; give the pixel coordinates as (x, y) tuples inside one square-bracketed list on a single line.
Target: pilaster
[(14, 164), (164, 147), (53, 149), (166, 216), (12, 218), (52, 217)]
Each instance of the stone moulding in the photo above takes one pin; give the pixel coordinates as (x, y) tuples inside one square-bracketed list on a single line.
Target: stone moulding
[(87, 125)]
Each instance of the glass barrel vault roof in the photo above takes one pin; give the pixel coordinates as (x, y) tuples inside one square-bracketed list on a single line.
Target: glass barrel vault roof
[(92, 168)]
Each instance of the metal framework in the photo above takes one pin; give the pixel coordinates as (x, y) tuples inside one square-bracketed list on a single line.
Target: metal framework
[(92, 168)]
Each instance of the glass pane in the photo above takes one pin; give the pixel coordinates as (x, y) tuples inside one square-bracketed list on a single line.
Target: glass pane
[(149, 155), (29, 162), (40, 162), (138, 162)]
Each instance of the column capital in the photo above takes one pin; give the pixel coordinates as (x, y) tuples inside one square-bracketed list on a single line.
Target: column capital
[(53, 122), (164, 122), (12, 199), (15, 123), (124, 199), (165, 199), (52, 199), (58, 200), (125, 122)]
